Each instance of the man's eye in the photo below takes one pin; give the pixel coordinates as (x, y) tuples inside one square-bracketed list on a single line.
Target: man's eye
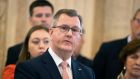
[(39, 15), (65, 28), (48, 15), (75, 30)]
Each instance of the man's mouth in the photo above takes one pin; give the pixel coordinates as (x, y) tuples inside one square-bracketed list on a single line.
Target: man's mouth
[(67, 41)]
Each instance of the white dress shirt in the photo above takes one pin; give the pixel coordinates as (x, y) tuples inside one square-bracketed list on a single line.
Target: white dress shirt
[(58, 61)]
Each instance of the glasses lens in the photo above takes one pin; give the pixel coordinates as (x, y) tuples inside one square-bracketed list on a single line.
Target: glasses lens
[(66, 28)]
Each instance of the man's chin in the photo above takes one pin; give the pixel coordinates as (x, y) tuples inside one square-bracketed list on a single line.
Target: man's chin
[(67, 48)]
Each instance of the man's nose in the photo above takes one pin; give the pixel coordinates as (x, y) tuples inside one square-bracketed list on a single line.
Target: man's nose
[(43, 19), (138, 61), (69, 32)]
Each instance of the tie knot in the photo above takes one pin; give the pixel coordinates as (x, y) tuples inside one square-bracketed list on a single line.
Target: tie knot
[(64, 64)]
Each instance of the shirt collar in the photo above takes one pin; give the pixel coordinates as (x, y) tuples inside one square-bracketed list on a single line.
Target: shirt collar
[(129, 39), (57, 59)]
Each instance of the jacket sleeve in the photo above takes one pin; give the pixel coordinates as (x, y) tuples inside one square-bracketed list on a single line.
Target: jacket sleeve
[(99, 62), (13, 53)]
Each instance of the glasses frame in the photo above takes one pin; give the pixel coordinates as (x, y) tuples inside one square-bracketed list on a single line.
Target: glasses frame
[(67, 28)]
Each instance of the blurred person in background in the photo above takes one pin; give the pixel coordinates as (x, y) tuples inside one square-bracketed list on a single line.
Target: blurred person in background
[(57, 61), (106, 62), (130, 56), (41, 13), (36, 43), (77, 53)]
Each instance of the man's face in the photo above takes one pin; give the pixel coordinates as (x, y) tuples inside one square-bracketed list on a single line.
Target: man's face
[(62, 39), (41, 16), (135, 26)]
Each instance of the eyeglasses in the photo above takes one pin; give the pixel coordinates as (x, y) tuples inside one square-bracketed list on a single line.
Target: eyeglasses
[(138, 20), (66, 28)]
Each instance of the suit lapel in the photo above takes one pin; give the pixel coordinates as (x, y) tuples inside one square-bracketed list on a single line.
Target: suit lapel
[(76, 70), (51, 66)]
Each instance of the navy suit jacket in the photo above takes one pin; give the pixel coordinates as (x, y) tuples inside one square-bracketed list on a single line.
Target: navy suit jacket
[(13, 53), (84, 60), (44, 67), (106, 63)]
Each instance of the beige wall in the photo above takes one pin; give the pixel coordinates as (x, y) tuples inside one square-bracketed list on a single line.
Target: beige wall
[(103, 20), (117, 18), (3, 4)]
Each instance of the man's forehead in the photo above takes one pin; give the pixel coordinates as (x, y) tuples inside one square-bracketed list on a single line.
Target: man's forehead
[(43, 9), (64, 17)]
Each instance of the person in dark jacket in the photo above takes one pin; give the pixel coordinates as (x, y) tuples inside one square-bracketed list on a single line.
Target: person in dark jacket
[(77, 53), (130, 56), (106, 62), (41, 13), (36, 43), (56, 62)]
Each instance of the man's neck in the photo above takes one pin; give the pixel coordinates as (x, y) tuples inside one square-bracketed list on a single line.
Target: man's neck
[(63, 54)]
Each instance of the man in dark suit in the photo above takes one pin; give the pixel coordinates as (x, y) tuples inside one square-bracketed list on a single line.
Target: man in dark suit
[(84, 60), (65, 33), (77, 55), (106, 62), (40, 14)]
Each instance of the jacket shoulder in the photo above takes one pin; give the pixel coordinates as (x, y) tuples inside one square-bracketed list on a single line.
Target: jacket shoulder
[(16, 46), (84, 71), (117, 41)]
